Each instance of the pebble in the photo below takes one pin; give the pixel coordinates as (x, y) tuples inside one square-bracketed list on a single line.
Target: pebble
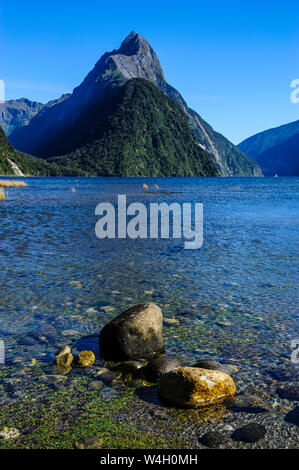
[(85, 359), (213, 439), (108, 392), (252, 432), (96, 384), (171, 321), (90, 442), (110, 378), (9, 433)]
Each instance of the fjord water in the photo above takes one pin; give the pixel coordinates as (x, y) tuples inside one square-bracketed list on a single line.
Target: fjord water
[(235, 297)]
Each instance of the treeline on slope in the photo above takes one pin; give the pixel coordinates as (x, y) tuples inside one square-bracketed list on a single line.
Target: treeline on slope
[(28, 164), (139, 131)]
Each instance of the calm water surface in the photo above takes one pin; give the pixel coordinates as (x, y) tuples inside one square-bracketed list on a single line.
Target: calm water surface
[(235, 297)]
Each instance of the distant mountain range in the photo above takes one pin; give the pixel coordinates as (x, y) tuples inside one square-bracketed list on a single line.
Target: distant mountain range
[(17, 113), (58, 128), (276, 150)]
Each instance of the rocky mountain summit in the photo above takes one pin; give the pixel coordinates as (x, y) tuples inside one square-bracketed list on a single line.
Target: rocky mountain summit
[(44, 136)]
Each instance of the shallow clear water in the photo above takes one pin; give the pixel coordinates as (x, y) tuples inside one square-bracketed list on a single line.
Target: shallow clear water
[(235, 297)]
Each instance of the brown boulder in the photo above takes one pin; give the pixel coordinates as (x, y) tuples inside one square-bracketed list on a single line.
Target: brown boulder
[(193, 387)]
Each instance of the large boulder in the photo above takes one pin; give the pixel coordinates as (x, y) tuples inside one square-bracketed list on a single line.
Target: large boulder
[(135, 334), (193, 387)]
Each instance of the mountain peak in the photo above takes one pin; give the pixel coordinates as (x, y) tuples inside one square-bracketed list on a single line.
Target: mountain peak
[(137, 59), (133, 43)]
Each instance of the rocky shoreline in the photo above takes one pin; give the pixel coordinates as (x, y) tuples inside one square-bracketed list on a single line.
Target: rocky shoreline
[(145, 388)]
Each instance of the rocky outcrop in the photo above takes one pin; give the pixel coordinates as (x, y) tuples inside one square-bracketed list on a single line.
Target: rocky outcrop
[(192, 387), (135, 334)]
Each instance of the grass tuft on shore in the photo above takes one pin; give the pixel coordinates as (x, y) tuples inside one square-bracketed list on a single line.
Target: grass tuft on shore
[(11, 184)]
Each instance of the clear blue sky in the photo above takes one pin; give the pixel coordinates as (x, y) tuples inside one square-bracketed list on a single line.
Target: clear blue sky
[(233, 61)]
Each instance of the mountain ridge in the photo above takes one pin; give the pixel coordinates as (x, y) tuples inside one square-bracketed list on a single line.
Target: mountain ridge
[(276, 149), (134, 59), (140, 132)]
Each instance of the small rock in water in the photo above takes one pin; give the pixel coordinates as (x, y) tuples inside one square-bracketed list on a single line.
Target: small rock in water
[(130, 368), (85, 359), (213, 439), (9, 433), (293, 416), (64, 350), (96, 385), (211, 365), (90, 442), (171, 321), (252, 432), (248, 404), (193, 387), (160, 365), (108, 393), (110, 378), (64, 359), (139, 383), (135, 334), (290, 392)]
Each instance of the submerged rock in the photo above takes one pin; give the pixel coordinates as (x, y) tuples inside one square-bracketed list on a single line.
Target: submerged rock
[(161, 365), (110, 378), (292, 416), (211, 365), (193, 387), (290, 392), (252, 432), (213, 439), (62, 351), (133, 369), (135, 334), (85, 359), (248, 404), (64, 359), (9, 433), (90, 442)]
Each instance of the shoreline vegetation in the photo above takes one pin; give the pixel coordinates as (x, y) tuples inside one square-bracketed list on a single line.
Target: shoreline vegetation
[(12, 184)]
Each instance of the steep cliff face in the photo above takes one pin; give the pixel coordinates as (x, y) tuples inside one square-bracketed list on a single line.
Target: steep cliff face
[(135, 58), (17, 113)]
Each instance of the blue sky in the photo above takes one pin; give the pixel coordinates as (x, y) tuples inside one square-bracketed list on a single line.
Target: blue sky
[(232, 61)]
